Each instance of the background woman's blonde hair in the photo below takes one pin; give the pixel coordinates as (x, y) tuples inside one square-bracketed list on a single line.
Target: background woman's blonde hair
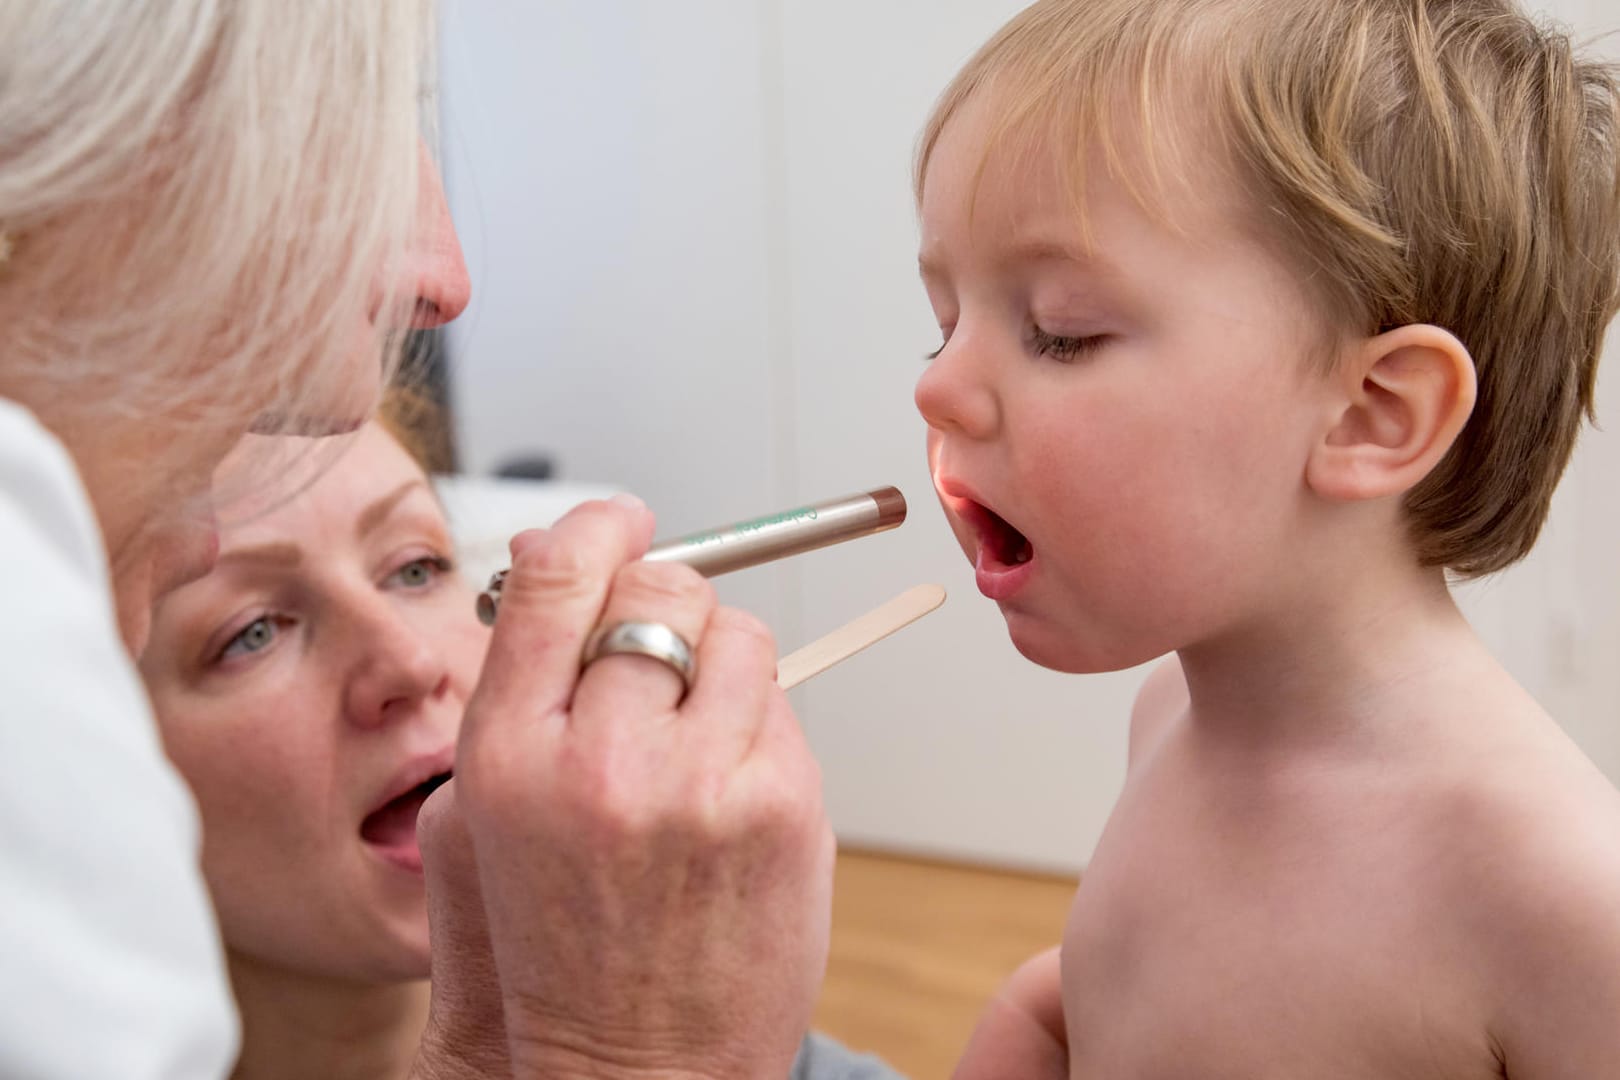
[(1422, 161), (205, 196), (414, 418)]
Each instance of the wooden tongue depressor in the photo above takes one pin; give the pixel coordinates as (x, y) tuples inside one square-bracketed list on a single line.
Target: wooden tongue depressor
[(853, 636)]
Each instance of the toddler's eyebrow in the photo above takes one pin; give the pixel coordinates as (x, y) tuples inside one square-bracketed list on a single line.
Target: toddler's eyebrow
[(1037, 248), (1040, 248)]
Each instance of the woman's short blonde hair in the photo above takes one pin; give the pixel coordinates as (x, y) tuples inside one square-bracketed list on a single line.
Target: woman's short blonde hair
[(1422, 161), (202, 195)]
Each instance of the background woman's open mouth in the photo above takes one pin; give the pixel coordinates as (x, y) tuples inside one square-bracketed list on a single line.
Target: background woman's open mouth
[(391, 828)]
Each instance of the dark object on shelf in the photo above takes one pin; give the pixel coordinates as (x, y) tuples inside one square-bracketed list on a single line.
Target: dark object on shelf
[(528, 467)]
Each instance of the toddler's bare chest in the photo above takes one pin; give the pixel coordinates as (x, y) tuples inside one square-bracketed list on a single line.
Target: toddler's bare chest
[(1207, 943)]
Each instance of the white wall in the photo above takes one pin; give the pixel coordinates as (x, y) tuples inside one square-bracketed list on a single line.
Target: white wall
[(604, 165), (693, 247)]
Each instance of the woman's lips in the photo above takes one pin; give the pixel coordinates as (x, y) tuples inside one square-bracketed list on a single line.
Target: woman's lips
[(390, 829)]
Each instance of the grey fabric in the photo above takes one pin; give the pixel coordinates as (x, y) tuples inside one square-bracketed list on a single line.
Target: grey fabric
[(821, 1058)]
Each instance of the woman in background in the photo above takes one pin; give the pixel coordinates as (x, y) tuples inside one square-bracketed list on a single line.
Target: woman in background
[(310, 690)]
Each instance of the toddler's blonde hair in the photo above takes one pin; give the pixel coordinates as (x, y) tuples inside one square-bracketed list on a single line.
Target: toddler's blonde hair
[(1424, 161)]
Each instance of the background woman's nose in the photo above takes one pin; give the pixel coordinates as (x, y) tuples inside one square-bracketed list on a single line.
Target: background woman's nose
[(395, 670), (436, 272)]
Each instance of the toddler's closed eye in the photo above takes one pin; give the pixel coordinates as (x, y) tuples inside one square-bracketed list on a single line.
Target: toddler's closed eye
[(1065, 348)]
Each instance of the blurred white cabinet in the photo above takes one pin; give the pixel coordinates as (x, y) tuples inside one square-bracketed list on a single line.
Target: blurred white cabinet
[(693, 248)]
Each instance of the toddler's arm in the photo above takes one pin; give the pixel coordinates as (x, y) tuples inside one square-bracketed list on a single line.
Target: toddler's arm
[(1020, 1033), (1563, 1001)]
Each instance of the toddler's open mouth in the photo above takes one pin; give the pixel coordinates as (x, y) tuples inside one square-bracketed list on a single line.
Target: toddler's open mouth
[(391, 828), (1005, 558), (1000, 544)]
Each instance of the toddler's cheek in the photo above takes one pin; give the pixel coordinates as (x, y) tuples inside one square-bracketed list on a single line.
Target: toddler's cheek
[(965, 535)]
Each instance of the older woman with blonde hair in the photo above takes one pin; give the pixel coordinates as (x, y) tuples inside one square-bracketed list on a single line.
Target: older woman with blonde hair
[(216, 217)]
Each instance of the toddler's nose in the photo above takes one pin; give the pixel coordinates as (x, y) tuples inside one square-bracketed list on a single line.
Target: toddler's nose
[(955, 395)]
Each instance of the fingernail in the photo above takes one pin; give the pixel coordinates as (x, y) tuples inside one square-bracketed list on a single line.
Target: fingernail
[(628, 501)]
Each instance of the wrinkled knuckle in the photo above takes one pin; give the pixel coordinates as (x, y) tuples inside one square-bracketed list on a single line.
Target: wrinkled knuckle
[(746, 626), (493, 788), (813, 777), (549, 566), (782, 815), (601, 800), (671, 582), (608, 821)]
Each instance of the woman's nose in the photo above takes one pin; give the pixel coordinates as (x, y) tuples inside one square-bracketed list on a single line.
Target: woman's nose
[(435, 280), (956, 394), (396, 668)]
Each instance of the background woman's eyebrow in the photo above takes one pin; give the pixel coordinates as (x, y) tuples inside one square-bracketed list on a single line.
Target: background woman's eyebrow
[(280, 554), (373, 515)]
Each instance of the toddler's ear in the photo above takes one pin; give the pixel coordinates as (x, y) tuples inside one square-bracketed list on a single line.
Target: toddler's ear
[(1407, 393)]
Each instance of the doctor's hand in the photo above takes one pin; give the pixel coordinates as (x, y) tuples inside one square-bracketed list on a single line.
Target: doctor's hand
[(655, 862), (465, 1036)]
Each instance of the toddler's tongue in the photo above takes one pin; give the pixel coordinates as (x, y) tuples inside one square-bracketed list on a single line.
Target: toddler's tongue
[(1002, 544)]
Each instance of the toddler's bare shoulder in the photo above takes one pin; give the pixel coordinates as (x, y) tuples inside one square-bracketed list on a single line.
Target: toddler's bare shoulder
[(1537, 877)]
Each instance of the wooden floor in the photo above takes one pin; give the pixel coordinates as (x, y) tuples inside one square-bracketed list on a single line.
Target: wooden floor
[(918, 947)]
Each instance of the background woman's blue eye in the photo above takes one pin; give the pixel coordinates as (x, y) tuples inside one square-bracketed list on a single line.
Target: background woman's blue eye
[(420, 573), (254, 637)]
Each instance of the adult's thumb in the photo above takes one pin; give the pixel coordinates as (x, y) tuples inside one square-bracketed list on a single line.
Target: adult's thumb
[(466, 1031)]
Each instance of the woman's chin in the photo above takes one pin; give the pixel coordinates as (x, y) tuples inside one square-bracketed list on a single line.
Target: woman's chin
[(410, 960), (413, 956), (420, 966)]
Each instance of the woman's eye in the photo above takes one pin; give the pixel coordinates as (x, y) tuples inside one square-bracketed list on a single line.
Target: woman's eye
[(1065, 348), (256, 636), (420, 573)]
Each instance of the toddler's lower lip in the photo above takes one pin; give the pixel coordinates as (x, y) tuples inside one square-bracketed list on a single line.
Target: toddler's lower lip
[(998, 580)]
